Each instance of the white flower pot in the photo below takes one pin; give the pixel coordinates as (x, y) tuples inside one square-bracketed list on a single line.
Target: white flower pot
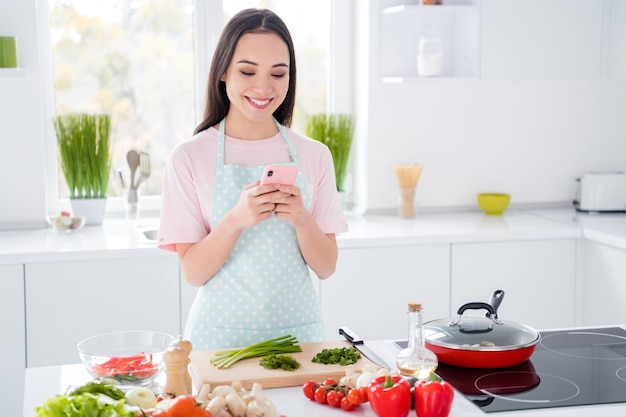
[(92, 209)]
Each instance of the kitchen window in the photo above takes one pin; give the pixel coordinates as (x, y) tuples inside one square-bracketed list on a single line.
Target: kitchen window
[(146, 62)]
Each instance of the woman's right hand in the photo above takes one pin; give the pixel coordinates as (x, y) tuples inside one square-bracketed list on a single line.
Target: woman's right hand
[(256, 204)]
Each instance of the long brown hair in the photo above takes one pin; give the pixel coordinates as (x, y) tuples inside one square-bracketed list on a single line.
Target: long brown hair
[(246, 21)]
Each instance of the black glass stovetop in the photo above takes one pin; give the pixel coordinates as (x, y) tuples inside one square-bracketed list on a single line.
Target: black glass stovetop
[(567, 368)]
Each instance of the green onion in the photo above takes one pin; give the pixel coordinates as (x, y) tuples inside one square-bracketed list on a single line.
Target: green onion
[(282, 344)]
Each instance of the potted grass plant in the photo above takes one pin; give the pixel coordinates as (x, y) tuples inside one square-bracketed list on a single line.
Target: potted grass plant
[(84, 151), (335, 130)]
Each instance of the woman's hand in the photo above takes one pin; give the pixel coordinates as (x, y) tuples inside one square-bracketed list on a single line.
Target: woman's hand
[(256, 204), (290, 206)]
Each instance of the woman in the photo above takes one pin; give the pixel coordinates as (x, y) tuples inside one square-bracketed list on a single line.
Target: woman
[(248, 246)]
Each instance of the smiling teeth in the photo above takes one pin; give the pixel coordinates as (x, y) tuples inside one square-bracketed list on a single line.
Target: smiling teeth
[(259, 102)]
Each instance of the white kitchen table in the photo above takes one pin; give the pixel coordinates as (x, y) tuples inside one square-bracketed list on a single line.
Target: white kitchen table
[(44, 382)]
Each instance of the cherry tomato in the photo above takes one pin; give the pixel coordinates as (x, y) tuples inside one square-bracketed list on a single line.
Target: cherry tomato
[(320, 395), (330, 381), (347, 405), (309, 389), (364, 391), (355, 396), (182, 406), (334, 398)]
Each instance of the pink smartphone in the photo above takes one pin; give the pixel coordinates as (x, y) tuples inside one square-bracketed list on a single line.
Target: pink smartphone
[(279, 174)]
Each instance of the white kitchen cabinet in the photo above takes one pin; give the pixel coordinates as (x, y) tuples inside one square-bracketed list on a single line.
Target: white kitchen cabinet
[(371, 288), (538, 278), (69, 301), (543, 39), (604, 285), (12, 348), (456, 23)]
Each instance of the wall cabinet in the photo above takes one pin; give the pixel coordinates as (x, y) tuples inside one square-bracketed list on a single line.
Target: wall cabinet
[(604, 286), (12, 348), (538, 277), (539, 39), (455, 23), (69, 301), (506, 40), (371, 288)]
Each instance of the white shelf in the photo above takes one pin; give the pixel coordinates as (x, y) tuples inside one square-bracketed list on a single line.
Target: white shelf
[(409, 8), (417, 79), (456, 24), (12, 72)]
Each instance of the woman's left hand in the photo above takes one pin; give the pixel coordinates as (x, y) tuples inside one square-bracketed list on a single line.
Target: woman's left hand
[(291, 207)]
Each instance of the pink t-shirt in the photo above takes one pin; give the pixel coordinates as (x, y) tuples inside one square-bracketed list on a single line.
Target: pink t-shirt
[(190, 174)]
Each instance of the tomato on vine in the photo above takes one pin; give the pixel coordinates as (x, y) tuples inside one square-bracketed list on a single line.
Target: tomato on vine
[(309, 389), (355, 396), (347, 405), (334, 398), (320, 395)]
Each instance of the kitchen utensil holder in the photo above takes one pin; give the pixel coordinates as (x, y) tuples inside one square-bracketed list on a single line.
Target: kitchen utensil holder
[(132, 205)]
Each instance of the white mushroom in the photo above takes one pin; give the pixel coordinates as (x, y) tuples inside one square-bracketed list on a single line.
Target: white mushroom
[(261, 407)]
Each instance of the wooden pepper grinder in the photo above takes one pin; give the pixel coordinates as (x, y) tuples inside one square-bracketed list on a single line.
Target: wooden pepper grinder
[(176, 358)]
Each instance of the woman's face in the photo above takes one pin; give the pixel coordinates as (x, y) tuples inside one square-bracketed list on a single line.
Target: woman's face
[(257, 78)]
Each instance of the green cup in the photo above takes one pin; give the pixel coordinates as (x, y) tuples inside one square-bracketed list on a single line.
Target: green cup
[(8, 52)]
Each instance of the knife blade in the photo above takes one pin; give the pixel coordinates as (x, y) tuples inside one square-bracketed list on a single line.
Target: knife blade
[(360, 345)]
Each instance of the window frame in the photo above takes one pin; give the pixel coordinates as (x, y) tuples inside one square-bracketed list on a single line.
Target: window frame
[(208, 24)]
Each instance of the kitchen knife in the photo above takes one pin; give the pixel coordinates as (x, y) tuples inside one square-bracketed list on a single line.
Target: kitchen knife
[(358, 344)]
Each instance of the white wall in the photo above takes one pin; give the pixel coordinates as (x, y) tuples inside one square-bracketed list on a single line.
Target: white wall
[(22, 179), (529, 138)]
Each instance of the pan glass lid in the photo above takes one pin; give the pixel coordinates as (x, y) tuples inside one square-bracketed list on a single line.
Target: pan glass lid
[(479, 333)]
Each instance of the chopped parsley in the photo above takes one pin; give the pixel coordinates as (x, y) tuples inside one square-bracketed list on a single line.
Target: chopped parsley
[(284, 362), (342, 356)]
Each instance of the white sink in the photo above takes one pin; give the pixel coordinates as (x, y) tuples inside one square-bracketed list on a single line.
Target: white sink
[(147, 234)]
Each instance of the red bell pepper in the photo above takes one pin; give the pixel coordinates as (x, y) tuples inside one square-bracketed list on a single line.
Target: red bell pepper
[(390, 396), (433, 398)]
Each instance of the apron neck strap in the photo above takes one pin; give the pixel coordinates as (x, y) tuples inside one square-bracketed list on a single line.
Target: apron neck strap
[(281, 129)]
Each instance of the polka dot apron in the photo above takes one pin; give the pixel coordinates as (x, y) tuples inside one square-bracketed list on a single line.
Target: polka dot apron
[(264, 289)]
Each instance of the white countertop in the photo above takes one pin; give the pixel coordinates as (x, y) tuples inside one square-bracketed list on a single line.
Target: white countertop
[(44, 382), (116, 238)]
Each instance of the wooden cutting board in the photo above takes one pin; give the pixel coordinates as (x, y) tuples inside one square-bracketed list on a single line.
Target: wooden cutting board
[(250, 371)]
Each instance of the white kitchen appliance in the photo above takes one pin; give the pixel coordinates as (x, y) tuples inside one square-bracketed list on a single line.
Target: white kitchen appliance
[(601, 191)]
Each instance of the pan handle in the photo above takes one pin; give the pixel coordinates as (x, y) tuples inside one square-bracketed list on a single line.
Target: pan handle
[(495, 301), (476, 306), (491, 313)]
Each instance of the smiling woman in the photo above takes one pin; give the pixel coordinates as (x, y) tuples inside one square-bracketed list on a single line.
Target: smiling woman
[(144, 62)]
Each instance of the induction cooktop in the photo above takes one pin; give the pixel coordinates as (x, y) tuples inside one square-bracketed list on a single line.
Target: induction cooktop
[(567, 368)]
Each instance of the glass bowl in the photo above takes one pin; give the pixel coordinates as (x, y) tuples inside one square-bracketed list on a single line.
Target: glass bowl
[(126, 359), (65, 222)]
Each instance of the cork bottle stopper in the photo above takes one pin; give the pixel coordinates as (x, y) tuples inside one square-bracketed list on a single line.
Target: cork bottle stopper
[(415, 307)]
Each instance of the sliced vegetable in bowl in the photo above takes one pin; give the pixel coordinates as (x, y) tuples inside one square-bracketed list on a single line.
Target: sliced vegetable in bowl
[(65, 222), (127, 359)]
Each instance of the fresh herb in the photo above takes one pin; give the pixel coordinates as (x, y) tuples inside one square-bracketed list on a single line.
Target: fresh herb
[(335, 131), (83, 141), (99, 387), (279, 345), (284, 362), (342, 356)]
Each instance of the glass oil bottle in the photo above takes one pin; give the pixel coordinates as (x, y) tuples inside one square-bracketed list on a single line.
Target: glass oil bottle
[(416, 360)]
